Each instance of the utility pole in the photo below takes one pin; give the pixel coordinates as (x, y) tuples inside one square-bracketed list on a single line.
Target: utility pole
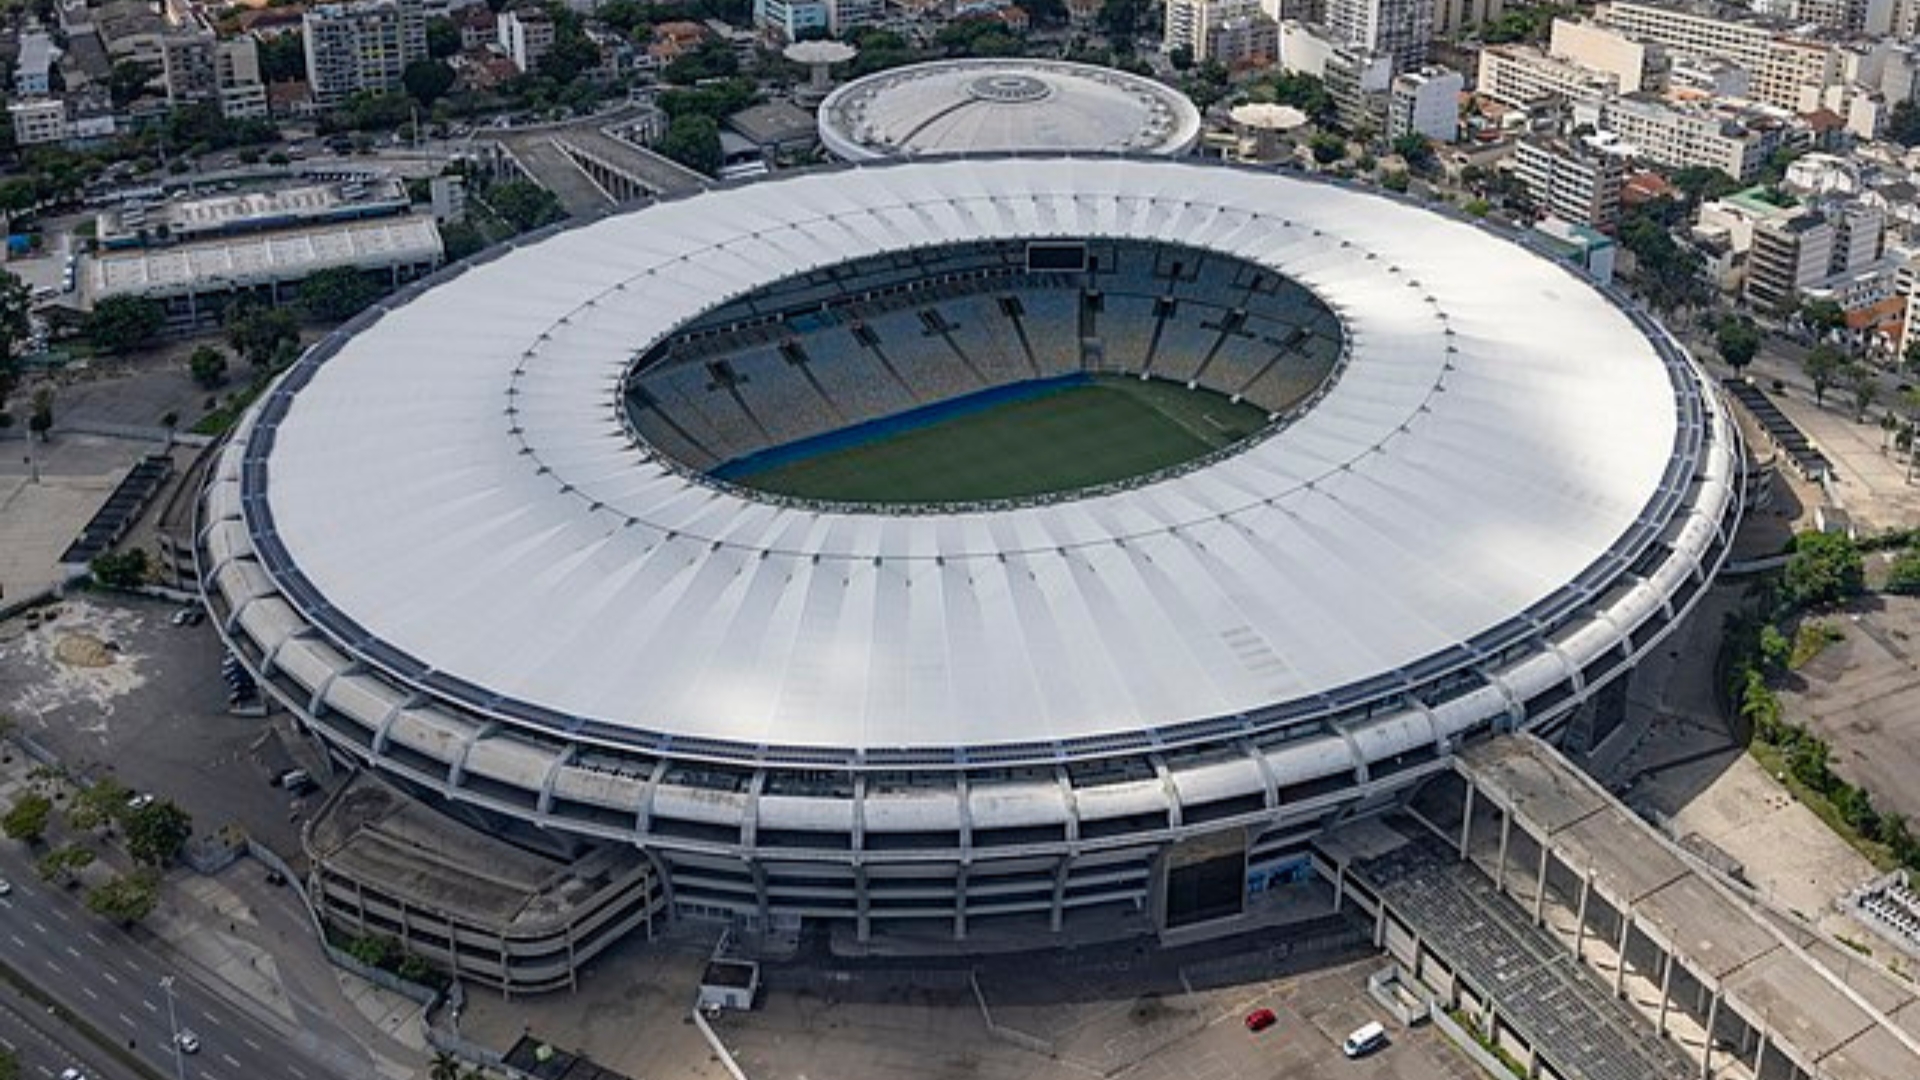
[(173, 1024)]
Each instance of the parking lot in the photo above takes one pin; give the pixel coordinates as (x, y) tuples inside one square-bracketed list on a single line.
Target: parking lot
[(930, 1024), (113, 688)]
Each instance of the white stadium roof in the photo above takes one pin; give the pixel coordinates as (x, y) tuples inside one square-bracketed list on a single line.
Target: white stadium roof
[(454, 492), (975, 106)]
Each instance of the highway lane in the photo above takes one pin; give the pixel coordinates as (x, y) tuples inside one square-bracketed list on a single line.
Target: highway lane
[(109, 977), (45, 1044)]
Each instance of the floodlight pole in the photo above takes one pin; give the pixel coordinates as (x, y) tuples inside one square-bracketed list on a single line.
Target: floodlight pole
[(173, 1024)]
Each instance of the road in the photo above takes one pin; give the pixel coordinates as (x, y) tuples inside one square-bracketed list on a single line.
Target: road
[(108, 976)]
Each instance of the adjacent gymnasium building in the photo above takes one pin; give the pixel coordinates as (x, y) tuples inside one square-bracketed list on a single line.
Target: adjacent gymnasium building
[(482, 544)]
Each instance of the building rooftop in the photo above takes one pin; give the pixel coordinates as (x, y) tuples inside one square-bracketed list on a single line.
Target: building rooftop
[(253, 211), (773, 123), (961, 106), (242, 261), (370, 831)]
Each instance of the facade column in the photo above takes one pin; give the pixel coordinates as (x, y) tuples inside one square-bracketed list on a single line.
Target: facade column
[(1706, 1052), (1580, 916), (1620, 964), (1466, 823), (1666, 984), (1339, 886), (1760, 1056), (1540, 888), (1500, 868)]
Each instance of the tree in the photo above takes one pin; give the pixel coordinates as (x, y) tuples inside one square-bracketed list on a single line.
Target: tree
[(524, 206), (445, 1067), (283, 57), (1120, 21), (1910, 356), (27, 819), (123, 323), (1824, 568), (59, 866), (1866, 390), (262, 334), (9, 1065), (121, 570), (16, 301), (1327, 148), (443, 38), (1181, 57), (97, 804), (126, 899), (1738, 340), (157, 831), (208, 366), (1701, 182), (1903, 124), (1824, 366), (693, 141), (40, 418), (1904, 575), (427, 81), (338, 294), (1414, 149), (1822, 317), (129, 79)]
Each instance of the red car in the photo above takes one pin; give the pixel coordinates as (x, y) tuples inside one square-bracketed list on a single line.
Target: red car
[(1261, 1019)]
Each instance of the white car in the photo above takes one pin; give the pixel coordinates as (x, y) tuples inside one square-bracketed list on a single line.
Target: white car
[(71, 1073), (188, 1042), (6, 887)]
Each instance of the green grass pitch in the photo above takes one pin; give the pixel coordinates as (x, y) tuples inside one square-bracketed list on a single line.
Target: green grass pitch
[(1072, 438)]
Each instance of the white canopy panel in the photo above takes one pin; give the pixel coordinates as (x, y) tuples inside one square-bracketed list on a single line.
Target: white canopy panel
[(457, 481)]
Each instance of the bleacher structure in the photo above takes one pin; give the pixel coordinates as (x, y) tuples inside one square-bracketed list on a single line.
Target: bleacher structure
[(859, 342)]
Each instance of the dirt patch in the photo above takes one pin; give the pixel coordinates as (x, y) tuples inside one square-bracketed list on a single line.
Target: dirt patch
[(83, 651)]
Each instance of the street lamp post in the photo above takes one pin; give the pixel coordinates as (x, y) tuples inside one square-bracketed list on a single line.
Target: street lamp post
[(173, 1025)]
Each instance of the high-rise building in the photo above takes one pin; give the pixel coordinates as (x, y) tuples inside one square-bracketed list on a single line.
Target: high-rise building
[(1727, 136), (1451, 16), (362, 45), (1402, 29), (1790, 254), (1577, 180), (1522, 76), (1635, 65), (526, 34), (1232, 27), (1426, 103)]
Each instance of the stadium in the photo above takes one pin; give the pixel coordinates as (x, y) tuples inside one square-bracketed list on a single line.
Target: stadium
[(967, 551)]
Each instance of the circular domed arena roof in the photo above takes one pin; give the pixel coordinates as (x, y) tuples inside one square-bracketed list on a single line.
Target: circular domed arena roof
[(978, 106), (446, 491)]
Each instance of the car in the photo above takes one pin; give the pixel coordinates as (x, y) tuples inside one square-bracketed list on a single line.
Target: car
[(71, 1073), (1365, 1040), (1261, 1019), (6, 887), (187, 1041), (140, 801), (188, 616), (302, 785)]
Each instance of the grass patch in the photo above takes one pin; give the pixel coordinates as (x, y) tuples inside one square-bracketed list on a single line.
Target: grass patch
[(1775, 762), (1077, 436), (1810, 639)]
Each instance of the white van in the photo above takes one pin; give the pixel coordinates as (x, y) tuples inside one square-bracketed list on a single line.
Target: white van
[(1365, 1040)]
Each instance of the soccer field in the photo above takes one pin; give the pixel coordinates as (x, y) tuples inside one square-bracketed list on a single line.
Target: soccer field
[(1064, 437)]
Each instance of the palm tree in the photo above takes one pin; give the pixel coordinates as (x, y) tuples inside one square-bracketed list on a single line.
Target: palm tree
[(445, 1067)]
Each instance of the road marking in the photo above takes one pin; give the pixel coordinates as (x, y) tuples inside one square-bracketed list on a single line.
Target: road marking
[(88, 990), (296, 1071), (108, 975), (229, 1059), (95, 938), (249, 1042), (125, 1019), (15, 938), (73, 952), (61, 915), (38, 926), (8, 1043), (151, 1007), (212, 1019), (55, 966)]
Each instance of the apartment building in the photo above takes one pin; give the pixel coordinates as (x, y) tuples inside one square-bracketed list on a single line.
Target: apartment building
[(1426, 102), (1728, 136), (1401, 29), (525, 35), (1784, 68), (198, 66), (361, 45), (1790, 254), (1634, 65), (33, 68), (1453, 16), (1521, 76), (1209, 28), (1576, 180), (38, 121), (1247, 39)]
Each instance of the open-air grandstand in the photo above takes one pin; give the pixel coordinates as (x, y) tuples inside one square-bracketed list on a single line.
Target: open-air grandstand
[(858, 342)]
